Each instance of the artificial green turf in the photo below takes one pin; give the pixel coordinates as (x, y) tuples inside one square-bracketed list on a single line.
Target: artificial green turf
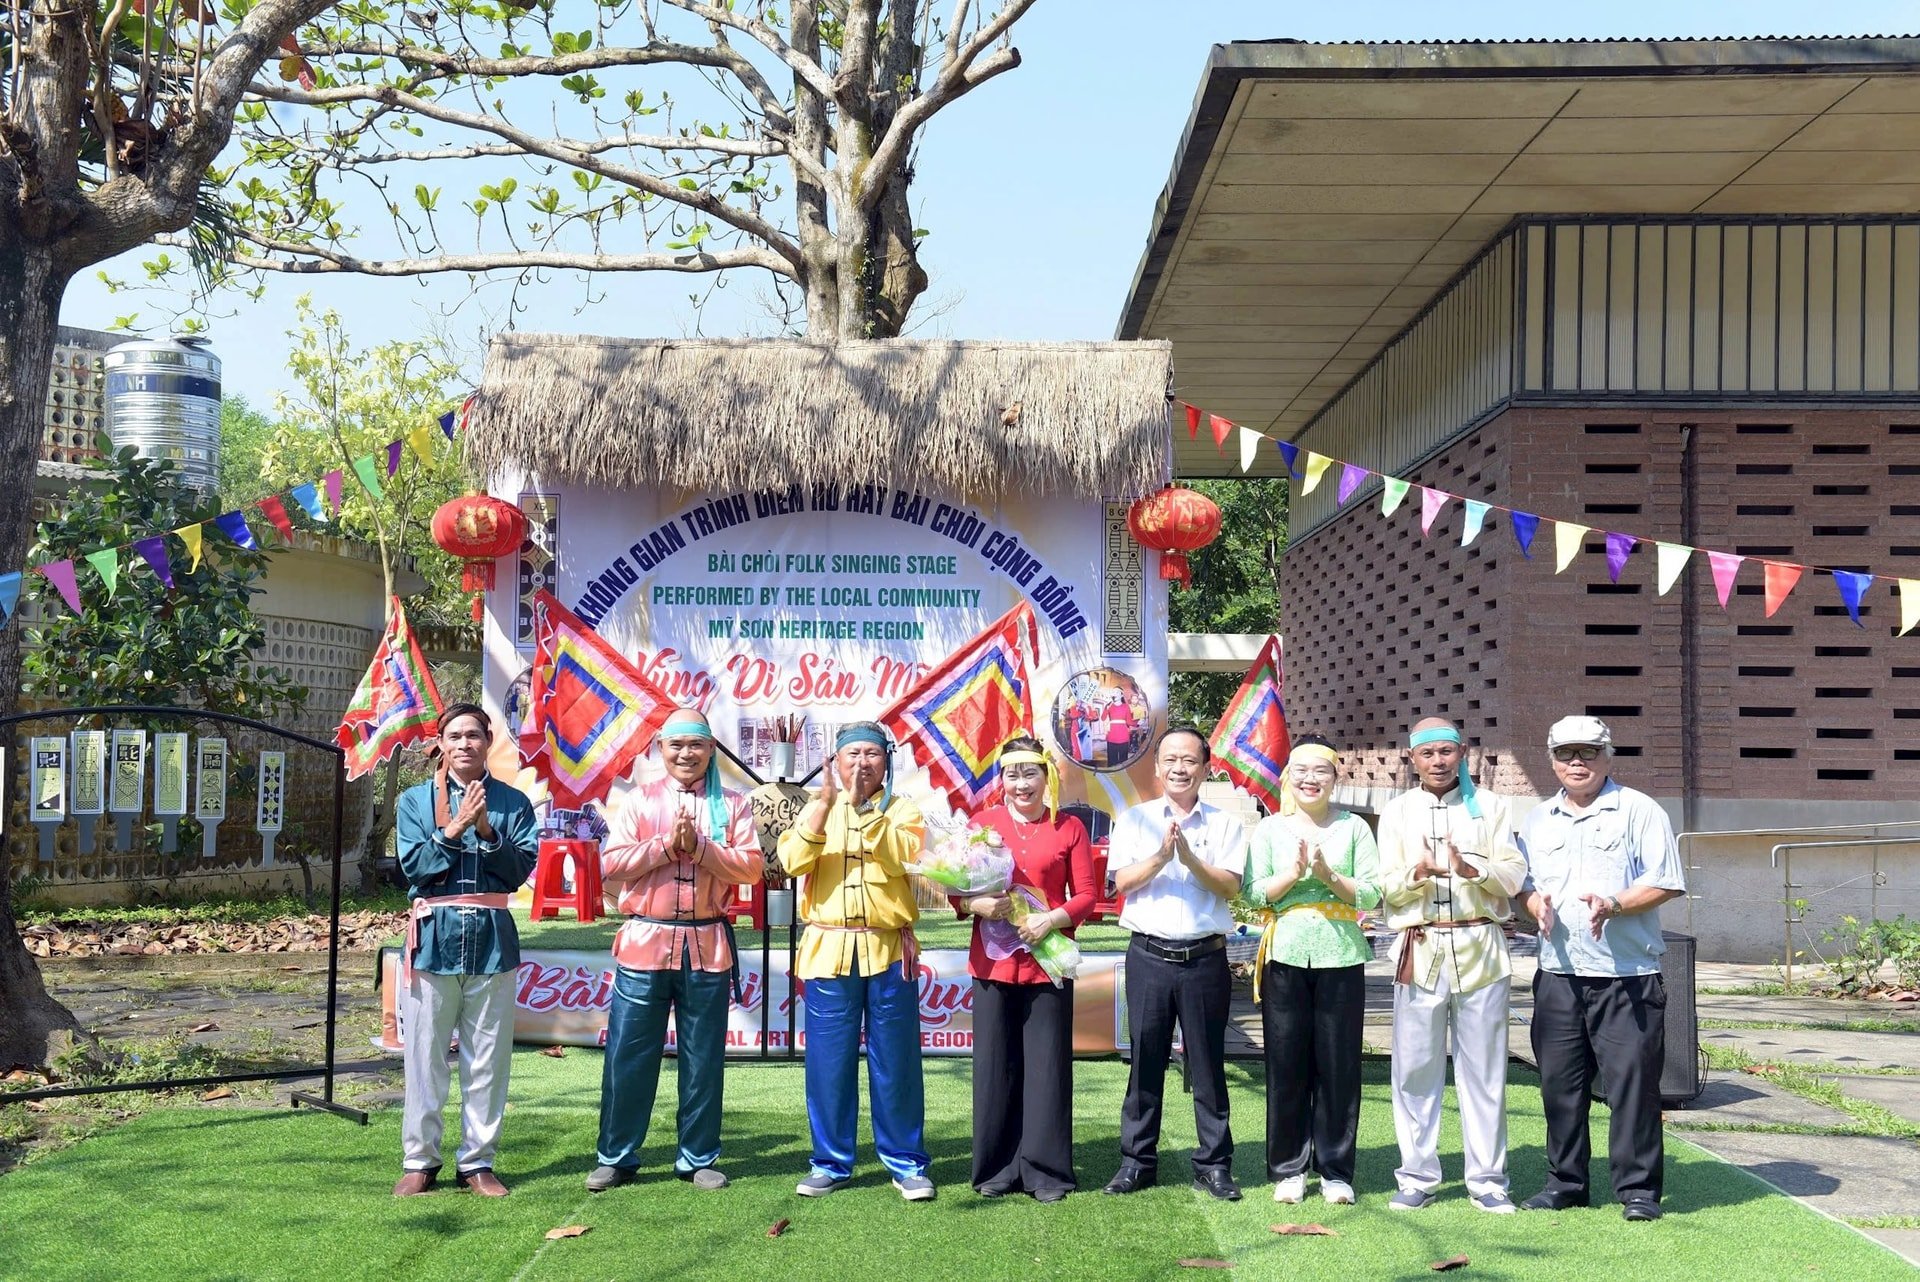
[(209, 1193)]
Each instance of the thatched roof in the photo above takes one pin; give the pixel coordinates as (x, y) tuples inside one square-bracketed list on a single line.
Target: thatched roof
[(746, 413)]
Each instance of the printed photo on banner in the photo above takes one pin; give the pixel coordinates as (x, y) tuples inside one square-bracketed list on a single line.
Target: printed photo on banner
[(1102, 719)]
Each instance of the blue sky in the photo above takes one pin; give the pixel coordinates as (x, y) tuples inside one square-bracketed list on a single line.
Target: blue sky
[(1038, 188)]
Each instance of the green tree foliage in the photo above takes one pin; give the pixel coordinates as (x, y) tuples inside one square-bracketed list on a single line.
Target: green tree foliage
[(245, 433), (1236, 587), (195, 646)]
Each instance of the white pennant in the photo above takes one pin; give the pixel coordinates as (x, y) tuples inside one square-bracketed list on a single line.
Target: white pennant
[(1249, 447)]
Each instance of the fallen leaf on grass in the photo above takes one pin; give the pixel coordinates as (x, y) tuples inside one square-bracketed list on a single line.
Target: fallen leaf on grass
[(1206, 1264), (208, 1027), (1904, 995), (1762, 1070), (293, 968), (570, 1230), (1447, 1266), (1301, 1230), (218, 1092), (779, 1227), (555, 1052)]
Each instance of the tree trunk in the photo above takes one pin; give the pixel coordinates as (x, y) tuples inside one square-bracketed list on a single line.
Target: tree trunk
[(33, 1026)]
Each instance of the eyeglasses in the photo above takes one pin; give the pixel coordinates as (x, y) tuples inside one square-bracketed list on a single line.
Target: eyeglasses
[(1577, 752)]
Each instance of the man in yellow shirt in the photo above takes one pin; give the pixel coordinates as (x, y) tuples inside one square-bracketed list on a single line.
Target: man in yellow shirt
[(1449, 866), (858, 962)]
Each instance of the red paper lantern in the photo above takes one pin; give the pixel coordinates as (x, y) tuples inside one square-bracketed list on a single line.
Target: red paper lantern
[(479, 529), (1173, 523)]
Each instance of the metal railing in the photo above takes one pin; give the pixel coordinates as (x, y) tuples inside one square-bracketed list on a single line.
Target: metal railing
[(1686, 839), (1794, 909)]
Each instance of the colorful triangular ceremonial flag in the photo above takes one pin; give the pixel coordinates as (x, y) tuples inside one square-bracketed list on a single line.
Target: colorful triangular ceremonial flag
[(1725, 567), (333, 481), (1431, 501), (234, 526), (1290, 455), (1251, 742), (1193, 422), (1525, 526), (1619, 548), (420, 441), (1476, 518), (1909, 605), (1781, 576), (154, 552), (1351, 479), (590, 713), (1249, 447), (60, 574), (9, 595), (106, 563), (396, 703), (393, 456), (1669, 560), (1392, 491), (1316, 467), (276, 512), (1852, 587), (1221, 429), (446, 423), (369, 474), (1566, 542), (191, 535), (956, 718), (309, 500)]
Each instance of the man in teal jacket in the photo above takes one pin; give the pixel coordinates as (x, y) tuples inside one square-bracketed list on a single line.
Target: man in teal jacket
[(466, 843)]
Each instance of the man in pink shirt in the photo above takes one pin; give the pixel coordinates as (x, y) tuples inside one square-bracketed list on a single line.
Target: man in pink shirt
[(674, 851)]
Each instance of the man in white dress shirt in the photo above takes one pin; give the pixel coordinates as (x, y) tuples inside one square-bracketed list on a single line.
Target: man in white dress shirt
[(1177, 862)]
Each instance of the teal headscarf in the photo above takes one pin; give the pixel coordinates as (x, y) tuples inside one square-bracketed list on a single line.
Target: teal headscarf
[(868, 732), (716, 796), (1447, 734)]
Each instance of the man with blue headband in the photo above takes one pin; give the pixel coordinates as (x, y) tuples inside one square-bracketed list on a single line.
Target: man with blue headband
[(674, 852), (860, 964), (1449, 866)]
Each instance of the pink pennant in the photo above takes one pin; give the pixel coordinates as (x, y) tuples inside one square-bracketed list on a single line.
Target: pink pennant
[(60, 574), (1725, 566), (1431, 501), (1193, 421), (334, 479)]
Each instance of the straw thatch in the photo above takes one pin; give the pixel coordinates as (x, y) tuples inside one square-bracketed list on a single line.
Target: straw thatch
[(972, 419)]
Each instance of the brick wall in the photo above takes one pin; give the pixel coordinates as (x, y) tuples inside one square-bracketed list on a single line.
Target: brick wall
[(1384, 627)]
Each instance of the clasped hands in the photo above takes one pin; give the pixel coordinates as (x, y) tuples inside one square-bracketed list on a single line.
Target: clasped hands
[(472, 813), (1307, 861)]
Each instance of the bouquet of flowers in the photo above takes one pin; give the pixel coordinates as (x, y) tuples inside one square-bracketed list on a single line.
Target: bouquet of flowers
[(1057, 955), (973, 861)]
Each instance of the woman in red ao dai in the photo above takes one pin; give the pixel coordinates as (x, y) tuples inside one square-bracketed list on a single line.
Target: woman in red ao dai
[(1022, 1023)]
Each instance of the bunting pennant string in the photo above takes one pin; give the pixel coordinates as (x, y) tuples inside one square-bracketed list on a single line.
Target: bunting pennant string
[(1317, 465), (309, 500), (106, 563), (1725, 566), (1351, 478), (234, 526), (277, 513), (60, 574), (1221, 429), (393, 457), (1393, 491), (1476, 518), (1619, 548), (9, 595), (1909, 590), (1852, 587), (1669, 560), (1525, 526), (1431, 501), (153, 550), (333, 481), (1566, 541), (1249, 448), (1781, 576), (363, 467), (1290, 454), (446, 420), (1193, 422), (191, 535)]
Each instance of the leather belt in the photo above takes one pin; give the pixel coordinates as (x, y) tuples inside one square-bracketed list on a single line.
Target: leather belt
[(1403, 972), (733, 945), (1180, 950)]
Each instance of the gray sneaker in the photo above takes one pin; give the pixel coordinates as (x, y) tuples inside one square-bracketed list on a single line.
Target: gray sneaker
[(1495, 1203), (1409, 1200), (606, 1177), (819, 1184), (707, 1177), (915, 1188)]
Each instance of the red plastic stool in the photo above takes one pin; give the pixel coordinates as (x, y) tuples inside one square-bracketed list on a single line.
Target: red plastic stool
[(750, 902), (550, 893)]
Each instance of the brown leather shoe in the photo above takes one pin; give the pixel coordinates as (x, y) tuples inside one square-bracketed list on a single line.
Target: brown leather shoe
[(482, 1181), (414, 1183)]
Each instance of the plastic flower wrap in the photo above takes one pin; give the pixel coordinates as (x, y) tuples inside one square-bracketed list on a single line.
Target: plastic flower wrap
[(972, 861), (1057, 955)]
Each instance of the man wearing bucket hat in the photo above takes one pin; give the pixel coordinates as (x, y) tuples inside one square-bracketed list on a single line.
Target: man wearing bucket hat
[(860, 964), (675, 850), (1601, 859)]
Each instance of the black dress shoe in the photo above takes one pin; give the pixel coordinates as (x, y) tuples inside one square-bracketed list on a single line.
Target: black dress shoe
[(1217, 1183), (1553, 1200), (1641, 1208), (1050, 1195), (1130, 1179), (994, 1190)]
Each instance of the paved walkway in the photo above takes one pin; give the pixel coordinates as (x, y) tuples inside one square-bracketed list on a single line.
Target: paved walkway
[(1803, 1147)]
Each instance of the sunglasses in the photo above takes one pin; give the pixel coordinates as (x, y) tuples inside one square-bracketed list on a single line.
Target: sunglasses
[(1577, 752)]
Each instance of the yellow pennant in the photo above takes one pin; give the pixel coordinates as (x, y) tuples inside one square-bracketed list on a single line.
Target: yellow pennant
[(190, 535), (1317, 465), (1909, 605), (1566, 541), (421, 439)]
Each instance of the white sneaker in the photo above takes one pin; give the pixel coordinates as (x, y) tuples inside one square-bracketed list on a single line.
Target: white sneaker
[(1290, 1190), (1337, 1192)]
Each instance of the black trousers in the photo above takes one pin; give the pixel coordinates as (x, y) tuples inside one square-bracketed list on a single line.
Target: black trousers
[(1312, 1021), (1618, 1025), (1022, 1086), (1195, 994)]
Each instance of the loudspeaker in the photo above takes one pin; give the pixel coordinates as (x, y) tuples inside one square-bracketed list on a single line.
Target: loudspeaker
[(1681, 1078)]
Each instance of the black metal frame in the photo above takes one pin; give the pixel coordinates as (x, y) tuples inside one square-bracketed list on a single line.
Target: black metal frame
[(325, 1071)]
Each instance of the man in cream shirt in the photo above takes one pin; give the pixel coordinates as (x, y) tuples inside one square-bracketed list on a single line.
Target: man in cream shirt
[(1449, 866)]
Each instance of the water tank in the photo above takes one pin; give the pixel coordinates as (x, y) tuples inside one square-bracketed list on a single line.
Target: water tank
[(163, 399)]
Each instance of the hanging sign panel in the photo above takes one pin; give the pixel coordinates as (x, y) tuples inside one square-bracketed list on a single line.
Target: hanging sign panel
[(48, 794), (89, 748), (210, 792), (270, 806), (127, 788), (169, 786)]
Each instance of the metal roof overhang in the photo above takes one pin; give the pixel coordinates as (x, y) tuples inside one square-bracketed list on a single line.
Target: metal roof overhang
[(1323, 195)]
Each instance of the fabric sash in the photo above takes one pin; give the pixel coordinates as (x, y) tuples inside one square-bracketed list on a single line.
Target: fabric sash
[(909, 942), (733, 944), (1403, 970), (1331, 909), (421, 909)]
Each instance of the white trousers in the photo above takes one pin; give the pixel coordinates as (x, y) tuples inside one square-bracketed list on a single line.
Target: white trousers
[(1479, 1022), (430, 1009)]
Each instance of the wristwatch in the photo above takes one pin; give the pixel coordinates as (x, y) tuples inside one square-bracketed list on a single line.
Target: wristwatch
[(1613, 906)]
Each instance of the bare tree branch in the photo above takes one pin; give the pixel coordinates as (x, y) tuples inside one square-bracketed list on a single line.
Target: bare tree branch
[(340, 158), (807, 69), (313, 260)]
